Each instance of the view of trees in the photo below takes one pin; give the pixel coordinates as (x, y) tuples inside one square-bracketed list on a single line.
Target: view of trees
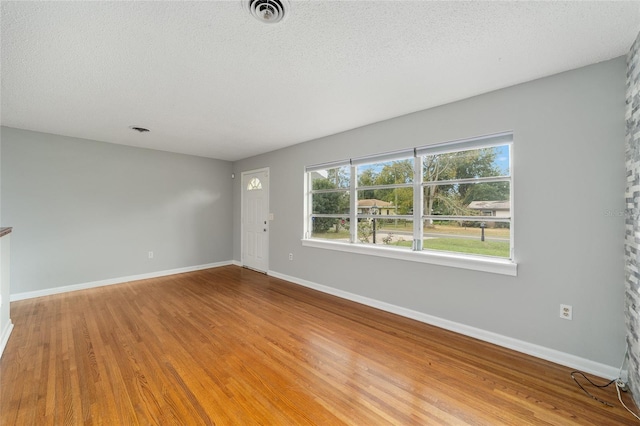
[(447, 199), (439, 199), (454, 199), (395, 172), (333, 202)]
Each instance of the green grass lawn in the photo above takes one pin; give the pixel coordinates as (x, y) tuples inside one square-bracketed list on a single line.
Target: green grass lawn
[(459, 245), (456, 245), (438, 229), (451, 230), (332, 235)]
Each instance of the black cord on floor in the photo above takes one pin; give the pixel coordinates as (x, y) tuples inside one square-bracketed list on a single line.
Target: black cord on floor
[(593, 384)]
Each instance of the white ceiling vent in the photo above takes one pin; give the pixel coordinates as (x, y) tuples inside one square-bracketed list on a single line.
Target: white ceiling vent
[(268, 11)]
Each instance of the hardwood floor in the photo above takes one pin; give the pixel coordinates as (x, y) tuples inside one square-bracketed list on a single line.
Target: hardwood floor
[(230, 346)]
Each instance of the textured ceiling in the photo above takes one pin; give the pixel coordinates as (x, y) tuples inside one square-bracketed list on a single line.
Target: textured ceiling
[(208, 79)]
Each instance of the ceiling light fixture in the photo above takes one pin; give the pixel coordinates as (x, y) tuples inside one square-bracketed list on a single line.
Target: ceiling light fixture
[(268, 11), (139, 129)]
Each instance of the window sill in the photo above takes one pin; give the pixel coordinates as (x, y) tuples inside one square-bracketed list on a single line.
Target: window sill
[(475, 263)]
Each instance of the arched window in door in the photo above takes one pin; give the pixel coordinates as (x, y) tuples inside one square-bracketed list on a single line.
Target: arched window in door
[(254, 184)]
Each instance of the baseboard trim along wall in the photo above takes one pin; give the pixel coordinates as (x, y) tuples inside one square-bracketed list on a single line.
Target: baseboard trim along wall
[(120, 280), (537, 351), (5, 336), (562, 358)]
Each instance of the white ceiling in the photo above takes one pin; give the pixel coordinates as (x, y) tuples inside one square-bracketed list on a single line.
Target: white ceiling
[(208, 79)]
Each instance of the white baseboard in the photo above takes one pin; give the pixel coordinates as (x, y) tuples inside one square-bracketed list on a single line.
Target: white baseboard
[(562, 358), (4, 338), (120, 280)]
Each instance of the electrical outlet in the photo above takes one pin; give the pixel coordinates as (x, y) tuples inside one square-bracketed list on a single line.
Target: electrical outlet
[(566, 312), (150, 255), (290, 256)]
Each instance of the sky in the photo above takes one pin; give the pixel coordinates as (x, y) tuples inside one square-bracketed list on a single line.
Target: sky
[(501, 161), (502, 158)]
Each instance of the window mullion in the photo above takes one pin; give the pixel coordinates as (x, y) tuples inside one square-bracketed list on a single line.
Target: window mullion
[(389, 186), (469, 218), (417, 204), (491, 179), (511, 224), (353, 208), (308, 209)]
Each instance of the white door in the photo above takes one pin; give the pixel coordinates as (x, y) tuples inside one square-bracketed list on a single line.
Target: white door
[(255, 219)]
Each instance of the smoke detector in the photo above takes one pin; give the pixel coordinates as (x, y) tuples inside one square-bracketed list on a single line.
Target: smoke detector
[(267, 11)]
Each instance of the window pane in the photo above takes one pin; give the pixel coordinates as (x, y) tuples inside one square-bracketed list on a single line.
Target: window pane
[(334, 202), (331, 228), (330, 178), (386, 173), (393, 232), (469, 199), (386, 202), (466, 237), (476, 163)]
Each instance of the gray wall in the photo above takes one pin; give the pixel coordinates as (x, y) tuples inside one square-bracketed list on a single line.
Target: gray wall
[(569, 182), (85, 211)]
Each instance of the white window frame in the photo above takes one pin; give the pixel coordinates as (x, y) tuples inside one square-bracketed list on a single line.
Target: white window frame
[(416, 254)]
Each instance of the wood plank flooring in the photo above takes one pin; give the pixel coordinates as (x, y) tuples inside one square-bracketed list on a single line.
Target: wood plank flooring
[(229, 346)]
